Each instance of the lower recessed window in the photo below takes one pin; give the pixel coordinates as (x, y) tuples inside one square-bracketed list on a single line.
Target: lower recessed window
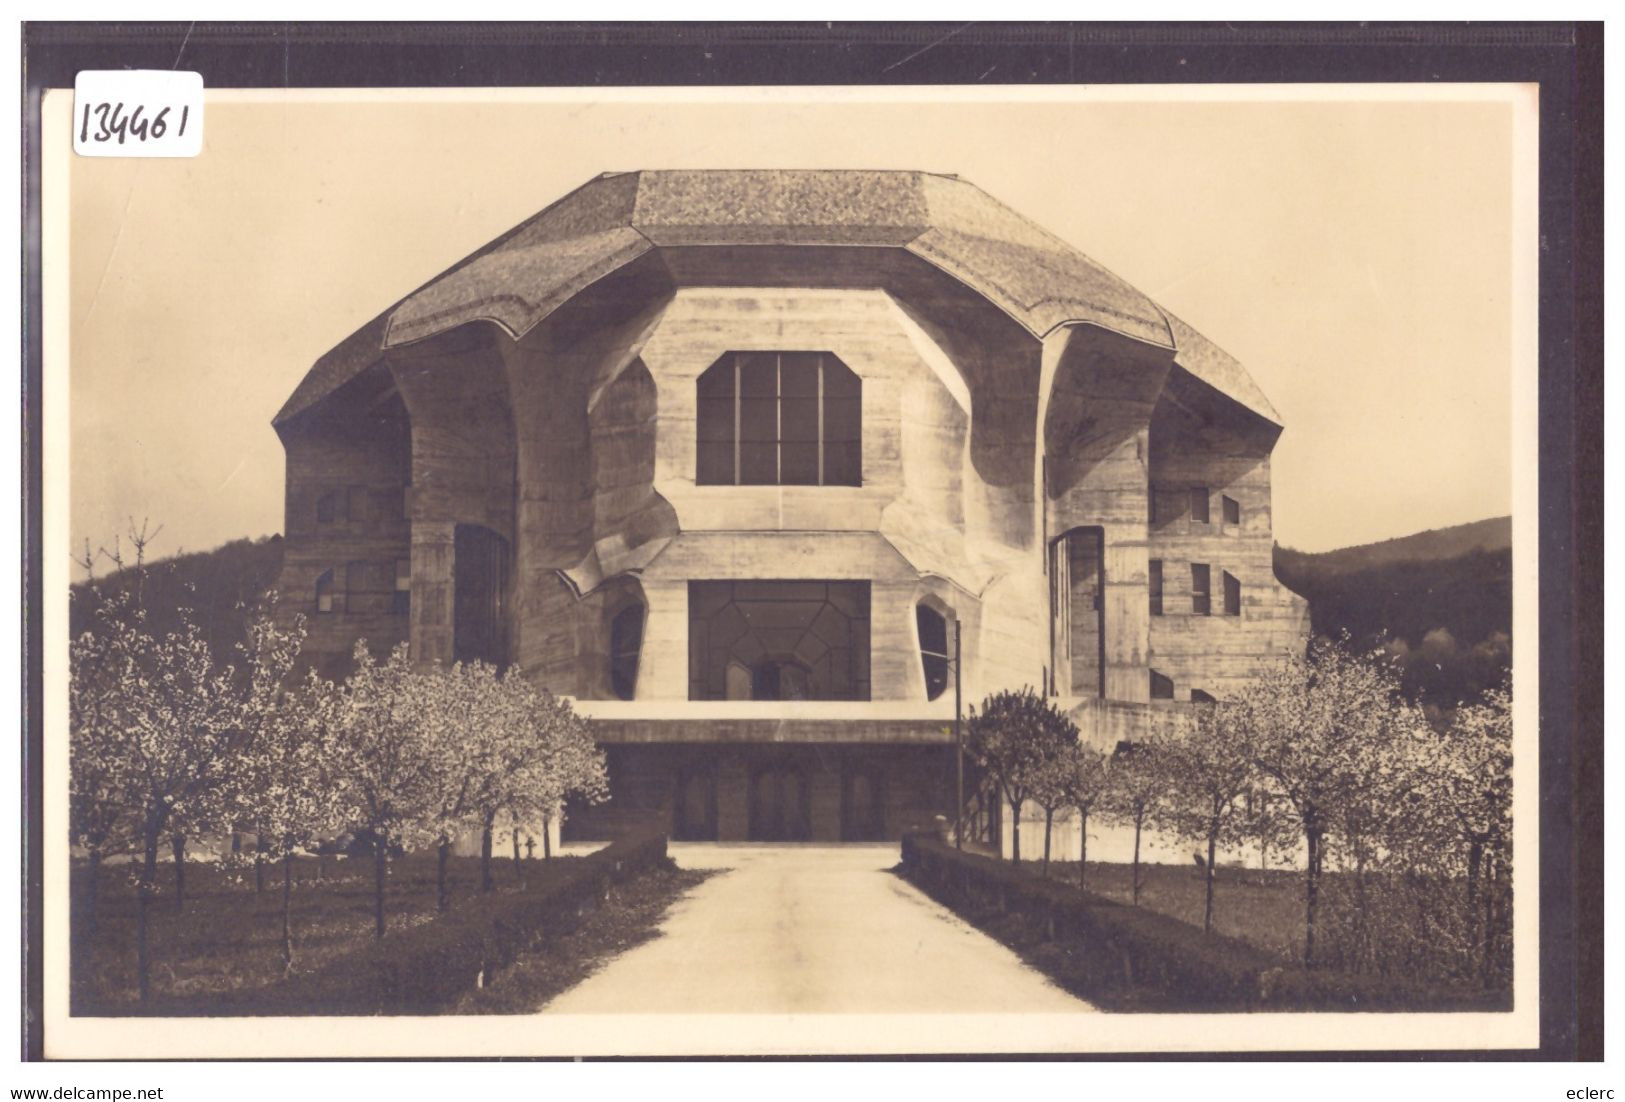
[(1162, 686), (786, 639), (933, 649), (1200, 697), (625, 647), (324, 592), (1156, 587)]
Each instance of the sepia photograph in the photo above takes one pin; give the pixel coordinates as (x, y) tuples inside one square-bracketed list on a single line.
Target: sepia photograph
[(829, 571)]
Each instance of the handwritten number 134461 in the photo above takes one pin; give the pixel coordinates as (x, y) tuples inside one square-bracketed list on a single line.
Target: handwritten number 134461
[(112, 122)]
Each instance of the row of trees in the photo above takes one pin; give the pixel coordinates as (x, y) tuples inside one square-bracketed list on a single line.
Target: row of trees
[(1322, 757), (168, 742)]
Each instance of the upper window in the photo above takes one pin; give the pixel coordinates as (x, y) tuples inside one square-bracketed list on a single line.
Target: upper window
[(403, 587), (779, 419), (1201, 594), (933, 649), (1199, 513), (1232, 594), (324, 592), (625, 643), (1156, 587), (1232, 511)]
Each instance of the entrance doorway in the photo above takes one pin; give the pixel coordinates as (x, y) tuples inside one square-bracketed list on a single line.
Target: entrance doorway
[(694, 816), (778, 805), (863, 807)]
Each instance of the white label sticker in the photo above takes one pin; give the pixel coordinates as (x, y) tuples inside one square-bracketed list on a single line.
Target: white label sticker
[(137, 113)]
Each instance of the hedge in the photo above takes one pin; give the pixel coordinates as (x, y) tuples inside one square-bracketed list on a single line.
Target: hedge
[(427, 969), (1127, 957)]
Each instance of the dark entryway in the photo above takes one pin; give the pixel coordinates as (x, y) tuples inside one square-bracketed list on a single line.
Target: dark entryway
[(694, 809), (778, 805), (863, 805)]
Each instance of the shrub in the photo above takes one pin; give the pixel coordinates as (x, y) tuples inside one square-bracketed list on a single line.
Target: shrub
[(425, 969), (1131, 958)]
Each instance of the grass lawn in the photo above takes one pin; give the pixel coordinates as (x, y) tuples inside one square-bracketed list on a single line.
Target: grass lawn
[(227, 937), (1261, 907)]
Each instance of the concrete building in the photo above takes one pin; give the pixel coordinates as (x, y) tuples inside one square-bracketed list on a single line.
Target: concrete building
[(724, 455)]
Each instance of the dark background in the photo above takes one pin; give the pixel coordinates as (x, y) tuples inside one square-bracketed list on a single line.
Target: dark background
[(1565, 59)]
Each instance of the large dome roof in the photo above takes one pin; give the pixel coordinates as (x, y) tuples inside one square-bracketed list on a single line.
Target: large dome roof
[(519, 279)]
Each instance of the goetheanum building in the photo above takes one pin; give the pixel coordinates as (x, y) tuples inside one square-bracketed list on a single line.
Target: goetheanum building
[(724, 456)]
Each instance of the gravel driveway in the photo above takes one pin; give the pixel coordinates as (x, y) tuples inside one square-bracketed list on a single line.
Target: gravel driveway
[(811, 929)]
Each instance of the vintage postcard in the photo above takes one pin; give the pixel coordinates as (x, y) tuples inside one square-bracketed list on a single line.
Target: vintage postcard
[(850, 570)]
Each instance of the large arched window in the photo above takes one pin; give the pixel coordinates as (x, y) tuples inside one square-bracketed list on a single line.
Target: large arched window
[(779, 419), (933, 649), (625, 644)]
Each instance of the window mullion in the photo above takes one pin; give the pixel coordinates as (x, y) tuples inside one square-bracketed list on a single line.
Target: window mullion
[(778, 419), (736, 419), (820, 420)]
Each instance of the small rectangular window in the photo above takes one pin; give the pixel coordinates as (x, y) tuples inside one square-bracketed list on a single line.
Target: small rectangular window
[(403, 587), (1232, 512), (327, 507), (1156, 587), (1232, 594), (1199, 513), (324, 592), (1201, 595), (1162, 687)]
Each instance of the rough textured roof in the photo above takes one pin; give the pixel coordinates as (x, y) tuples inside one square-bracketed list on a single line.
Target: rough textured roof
[(519, 279)]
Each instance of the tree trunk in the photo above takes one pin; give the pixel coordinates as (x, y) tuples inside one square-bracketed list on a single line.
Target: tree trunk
[(547, 836), (1311, 893), (287, 908), (380, 870), (1015, 831), (1049, 825), (1489, 915), (177, 846), (93, 894), (443, 851), (149, 876), (1083, 846), (1134, 889), (1475, 857), (259, 862), (518, 869), (486, 883), (1207, 908)]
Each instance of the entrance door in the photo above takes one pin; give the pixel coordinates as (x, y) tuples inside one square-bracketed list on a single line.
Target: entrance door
[(694, 814), (863, 811), (778, 805)]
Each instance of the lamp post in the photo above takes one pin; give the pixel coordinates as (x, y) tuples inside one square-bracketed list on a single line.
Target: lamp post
[(959, 753)]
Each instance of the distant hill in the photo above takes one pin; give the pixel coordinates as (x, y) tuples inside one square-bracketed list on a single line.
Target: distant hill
[(215, 584), (1494, 534), (1440, 601)]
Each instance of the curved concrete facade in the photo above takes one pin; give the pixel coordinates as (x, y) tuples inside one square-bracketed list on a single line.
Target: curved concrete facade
[(515, 448)]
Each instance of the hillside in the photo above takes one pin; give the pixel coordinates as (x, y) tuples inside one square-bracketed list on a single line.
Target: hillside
[(1440, 601), (214, 584)]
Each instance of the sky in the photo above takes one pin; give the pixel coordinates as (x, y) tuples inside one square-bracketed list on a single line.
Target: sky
[(1355, 255)]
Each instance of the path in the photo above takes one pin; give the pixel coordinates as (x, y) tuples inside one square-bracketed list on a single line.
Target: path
[(811, 929)]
